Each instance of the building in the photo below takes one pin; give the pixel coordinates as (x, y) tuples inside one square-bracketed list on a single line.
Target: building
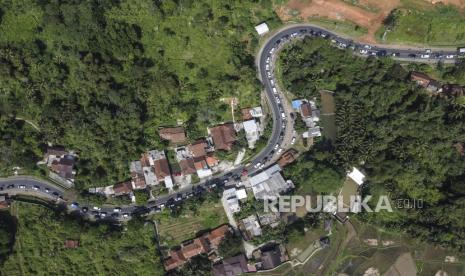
[(123, 188), (246, 115), (262, 29), (202, 168), (233, 266), (207, 243), (434, 86), (241, 194), (256, 112), (420, 78), (252, 133), (250, 227), (272, 257), (198, 148), (3, 203), (269, 184), (453, 90), (56, 152), (71, 244), (173, 134), (187, 166), (271, 218), (312, 132), (211, 161), (287, 157), (231, 200), (63, 168), (305, 110), (357, 176), (137, 175), (296, 104), (223, 136)]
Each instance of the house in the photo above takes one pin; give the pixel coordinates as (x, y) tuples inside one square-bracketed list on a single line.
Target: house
[(316, 115), (306, 110), (232, 266), (187, 166), (202, 168), (231, 200), (434, 86), (312, 132), (56, 152), (269, 183), (223, 136), (262, 28), (270, 218), (63, 167), (272, 257), (420, 78), (211, 161), (250, 227), (256, 112), (71, 244), (252, 133), (206, 243), (162, 169), (3, 203), (296, 104), (173, 134), (123, 188), (357, 176), (246, 115), (137, 175), (198, 148), (241, 194), (287, 157), (453, 90)]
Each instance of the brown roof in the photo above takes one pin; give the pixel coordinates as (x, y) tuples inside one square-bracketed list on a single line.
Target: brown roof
[(217, 235), (56, 150), (162, 168), (288, 157), (64, 167), (122, 188), (211, 161), (236, 265), (173, 134), (187, 166), (175, 260), (421, 78), (223, 136), (197, 247), (452, 89), (306, 110), (197, 148), (71, 244), (201, 164), (246, 114), (138, 180)]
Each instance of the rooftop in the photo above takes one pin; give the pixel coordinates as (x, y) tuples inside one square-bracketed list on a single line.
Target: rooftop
[(173, 134)]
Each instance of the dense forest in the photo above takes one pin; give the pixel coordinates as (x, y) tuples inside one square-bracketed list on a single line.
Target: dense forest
[(403, 138), (101, 77)]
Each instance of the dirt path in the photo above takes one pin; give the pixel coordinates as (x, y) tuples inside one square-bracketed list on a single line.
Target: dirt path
[(36, 127)]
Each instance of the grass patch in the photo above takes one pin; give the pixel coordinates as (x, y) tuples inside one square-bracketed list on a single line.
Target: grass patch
[(342, 27)]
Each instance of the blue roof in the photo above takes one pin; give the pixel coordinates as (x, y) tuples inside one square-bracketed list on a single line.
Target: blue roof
[(296, 104)]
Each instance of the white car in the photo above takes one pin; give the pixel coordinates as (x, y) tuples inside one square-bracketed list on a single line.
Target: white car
[(272, 50), (269, 74), (428, 51), (262, 166), (367, 47), (293, 141), (257, 165), (276, 146), (117, 210), (267, 67), (277, 99), (97, 208), (449, 56), (22, 187), (363, 52), (102, 215), (125, 215), (272, 82), (424, 56), (47, 190), (275, 90), (280, 150), (283, 115), (35, 188)]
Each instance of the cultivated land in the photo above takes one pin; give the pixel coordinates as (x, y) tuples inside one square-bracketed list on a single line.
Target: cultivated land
[(419, 22)]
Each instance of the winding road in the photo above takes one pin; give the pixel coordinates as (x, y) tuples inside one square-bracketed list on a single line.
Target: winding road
[(281, 120)]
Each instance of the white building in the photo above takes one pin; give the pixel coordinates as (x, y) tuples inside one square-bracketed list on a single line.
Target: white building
[(357, 176), (231, 200), (256, 112), (241, 194), (262, 29), (251, 132), (269, 183)]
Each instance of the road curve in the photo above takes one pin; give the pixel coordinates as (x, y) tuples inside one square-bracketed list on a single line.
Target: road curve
[(265, 73)]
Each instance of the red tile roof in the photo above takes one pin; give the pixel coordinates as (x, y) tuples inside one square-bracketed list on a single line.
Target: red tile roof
[(306, 110), (197, 247), (122, 188), (175, 260), (421, 78), (187, 166), (217, 235), (201, 164), (138, 180), (162, 169), (211, 161), (173, 134), (197, 148), (71, 244), (246, 114), (223, 136)]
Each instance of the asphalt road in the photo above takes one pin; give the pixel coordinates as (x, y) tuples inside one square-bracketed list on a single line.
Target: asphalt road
[(26, 185)]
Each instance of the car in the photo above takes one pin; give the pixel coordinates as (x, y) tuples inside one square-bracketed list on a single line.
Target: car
[(269, 74), (275, 90), (272, 50), (293, 141), (244, 172), (278, 41), (96, 208), (342, 45), (103, 214), (10, 186), (395, 54), (363, 51), (292, 115), (189, 195), (283, 116), (373, 53), (239, 184), (47, 190), (213, 185), (22, 187), (428, 51), (162, 206), (424, 56), (36, 188), (277, 99), (367, 47), (268, 59), (276, 146), (115, 215), (125, 215), (257, 165), (323, 35), (267, 67), (1, 188), (381, 53), (84, 209), (450, 56), (117, 210), (95, 213), (272, 82), (280, 150), (412, 55), (225, 181), (262, 166)]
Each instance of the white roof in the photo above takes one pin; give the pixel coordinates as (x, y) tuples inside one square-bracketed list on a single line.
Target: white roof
[(357, 176), (168, 182), (204, 173), (262, 28), (228, 193), (241, 194), (256, 112), (250, 126)]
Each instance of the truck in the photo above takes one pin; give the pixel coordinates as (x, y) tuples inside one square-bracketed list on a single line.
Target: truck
[(461, 51)]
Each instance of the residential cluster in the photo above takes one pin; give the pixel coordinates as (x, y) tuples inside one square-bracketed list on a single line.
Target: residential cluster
[(310, 115), (434, 86), (60, 163)]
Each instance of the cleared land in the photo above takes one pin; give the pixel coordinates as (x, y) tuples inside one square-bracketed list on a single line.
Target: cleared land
[(328, 115), (420, 21)]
